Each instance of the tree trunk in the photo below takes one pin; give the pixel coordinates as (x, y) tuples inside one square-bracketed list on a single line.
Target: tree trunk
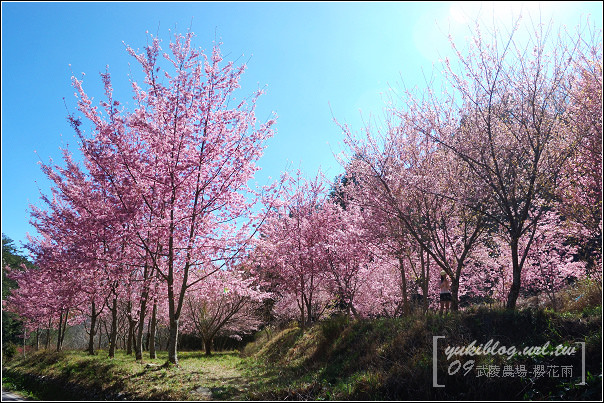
[(134, 345), (152, 332), (113, 336), (93, 316), (515, 287), (173, 342), (138, 351), (208, 346), (302, 315), (173, 336), (59, 332), (426, 283), (48, 334), (355, 314), (60, 329), (100, 333), (309, 311), (173, 313), (455, 294), (64, 328), (403, 285), (37, 339), (130, 337)]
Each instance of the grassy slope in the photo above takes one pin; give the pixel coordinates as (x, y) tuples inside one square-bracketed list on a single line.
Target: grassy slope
[(391, 359), (384, 359)]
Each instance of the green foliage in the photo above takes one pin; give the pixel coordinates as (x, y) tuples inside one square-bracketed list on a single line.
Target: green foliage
[(332, 328), (391, 359), (16, 384), (9, 350), (11, 325), (74, 375), (260, 339), (337, 359), (278, 346), (12, 257), (12, 329)]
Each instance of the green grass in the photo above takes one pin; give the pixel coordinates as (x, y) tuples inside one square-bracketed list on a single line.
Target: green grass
[(391, 359), (338, 359), (197, 377)]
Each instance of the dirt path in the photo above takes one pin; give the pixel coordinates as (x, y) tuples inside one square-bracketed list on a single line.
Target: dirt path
[(220, 382)]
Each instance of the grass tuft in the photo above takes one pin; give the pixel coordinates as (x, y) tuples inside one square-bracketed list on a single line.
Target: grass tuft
[(337, 359)]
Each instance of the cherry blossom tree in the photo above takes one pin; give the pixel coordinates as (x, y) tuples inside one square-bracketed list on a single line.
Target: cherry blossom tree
[(376, 188), (46, 298), (291, 241), (581, 185), (379, 293), (224, 305), (320, 257), (553, 261), (64, 254), (347, 253), (364, 271), (503, 115), (420, 195), (179, 163), (27, 301)]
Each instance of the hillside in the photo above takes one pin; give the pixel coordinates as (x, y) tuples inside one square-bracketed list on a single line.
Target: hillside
[(391, 359), (383, 359)]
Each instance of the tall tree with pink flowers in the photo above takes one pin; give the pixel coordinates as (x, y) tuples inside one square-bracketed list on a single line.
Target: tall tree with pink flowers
[(177, 165), (503, 111), (291, 244)]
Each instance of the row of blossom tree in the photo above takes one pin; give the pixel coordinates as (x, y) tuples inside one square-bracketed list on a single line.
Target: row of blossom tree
[(494, 180), (159, 214)]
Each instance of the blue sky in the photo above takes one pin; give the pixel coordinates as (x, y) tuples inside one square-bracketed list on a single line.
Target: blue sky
[(317, 61)]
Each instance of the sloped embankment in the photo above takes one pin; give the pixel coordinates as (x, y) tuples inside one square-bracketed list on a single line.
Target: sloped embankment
[(379, 359), (392, 359)]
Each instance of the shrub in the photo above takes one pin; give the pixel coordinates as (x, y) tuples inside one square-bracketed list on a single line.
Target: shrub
[(332, 327), (584, 297), (9, 350)]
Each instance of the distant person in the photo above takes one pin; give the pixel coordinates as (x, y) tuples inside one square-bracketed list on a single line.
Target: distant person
[(445, 292), (417, 298)]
